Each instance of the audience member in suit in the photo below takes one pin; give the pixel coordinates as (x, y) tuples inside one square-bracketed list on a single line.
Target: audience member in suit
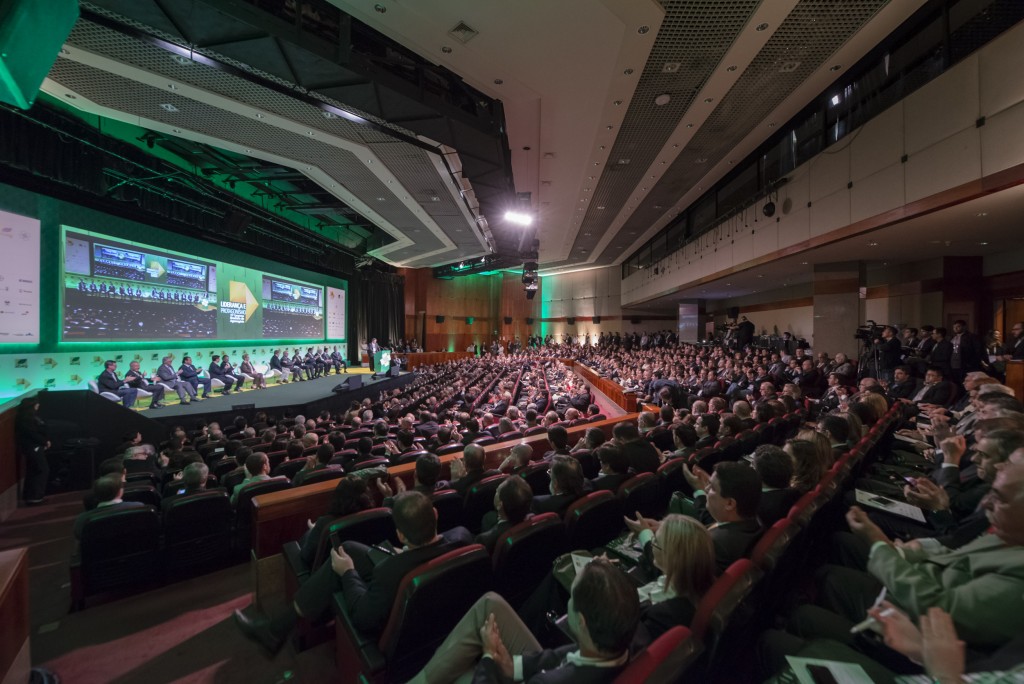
[(257, 469), (135, 378), (903, 385), (112, 465), (519, 457), (935, 390), (276, 364), (968, 351), (978, 584), (194, 479), (190, 374), (428, 426), (775, 468), (350, 496), (368, 601), (614, 469), (594, 413), (168, 376), (727, 502), (109, 382), (558, 439), (472, 431), (512, 502), (567, 485), (322, 461), (643, 457), (107, 491), (492, 642), (469, 469), (941, 353), (1014, 349)]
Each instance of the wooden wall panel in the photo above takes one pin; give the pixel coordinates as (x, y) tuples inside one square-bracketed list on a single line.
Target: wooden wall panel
[(11, 463)]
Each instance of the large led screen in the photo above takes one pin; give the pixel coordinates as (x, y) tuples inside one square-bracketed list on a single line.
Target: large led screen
[(118, 290), (19, 279)]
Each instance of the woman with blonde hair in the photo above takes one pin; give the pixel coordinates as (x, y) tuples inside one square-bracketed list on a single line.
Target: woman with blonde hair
[(879, 406), (821, 444), (808, 468)]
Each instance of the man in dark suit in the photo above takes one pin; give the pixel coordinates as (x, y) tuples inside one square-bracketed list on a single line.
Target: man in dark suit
[(136, 379), (1015, 350), (728, 503), (493, 642), (171, 378), (469, 470), (512, 503), (109, 382), (275, 364), (941, 353), (775, 468), (338, 361), (215, 372), (614, 469), (744, 333), (428, 426), (368, 602), (935, 390), (889, 352), (107, 491), (642, 456), (903, 385), (190, 374), (968, 351)]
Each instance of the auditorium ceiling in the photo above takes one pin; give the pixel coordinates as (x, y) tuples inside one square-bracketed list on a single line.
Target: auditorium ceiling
[(617, 113)]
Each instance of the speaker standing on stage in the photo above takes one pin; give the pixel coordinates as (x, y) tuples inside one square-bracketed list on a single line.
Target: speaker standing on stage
[(32, 441)]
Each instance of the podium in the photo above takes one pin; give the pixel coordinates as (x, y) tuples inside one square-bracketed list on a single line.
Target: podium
[(381, 362)]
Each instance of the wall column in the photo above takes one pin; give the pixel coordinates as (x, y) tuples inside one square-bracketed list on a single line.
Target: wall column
[(693, 321), (838, 308), (962, 285)]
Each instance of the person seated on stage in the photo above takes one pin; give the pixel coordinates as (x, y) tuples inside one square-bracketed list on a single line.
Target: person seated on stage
[(190, 374), (168, 376), (367, 601), (277, 363), (294, 366), (107, 492), (305, 364), (312, 361), (215, 372), (109, 382), (338, 361), (258, 381), (135, 379), (494, 644), (228, 370), (257, 468)]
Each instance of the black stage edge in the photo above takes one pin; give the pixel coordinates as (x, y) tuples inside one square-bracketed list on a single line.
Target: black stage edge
[(308, 398)]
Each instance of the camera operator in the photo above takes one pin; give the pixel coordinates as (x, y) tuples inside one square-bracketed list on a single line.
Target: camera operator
[(889, 353)]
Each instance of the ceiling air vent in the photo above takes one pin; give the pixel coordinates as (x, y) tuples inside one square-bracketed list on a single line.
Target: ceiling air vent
[(463, 32)]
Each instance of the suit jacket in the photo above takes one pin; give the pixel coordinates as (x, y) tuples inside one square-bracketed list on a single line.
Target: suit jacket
[(775, 505), (732, 540), (975, 584), (941, 354), (463, 484), (188, 372), (216, 370), (166, 373), (904, 390), (610, 482), (490, 536), (552, 503), (941, 393), (369, 603), (547, 667), (109, 382), (136, 380), (642, 456), (660, 617)]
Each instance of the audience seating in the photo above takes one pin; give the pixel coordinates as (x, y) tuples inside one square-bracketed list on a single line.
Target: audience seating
[(664, 661), (119, 549), (642, 493), (536, 475), (524, 554), (430, 601), (448, 504), (589, 464), (323, 475), (289, 469), (141, 492), (371, 526), (593, 520), (480, 500), (243, 506), (197, 531), (723, 611)]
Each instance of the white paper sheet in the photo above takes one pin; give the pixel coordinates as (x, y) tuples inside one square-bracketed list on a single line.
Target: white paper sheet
[(888, 505)]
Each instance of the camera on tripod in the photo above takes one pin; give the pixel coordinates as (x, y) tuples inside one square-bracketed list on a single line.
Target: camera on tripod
[(868, 332)]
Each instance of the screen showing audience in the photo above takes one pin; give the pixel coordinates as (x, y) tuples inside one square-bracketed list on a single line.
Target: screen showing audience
[(118, 290)]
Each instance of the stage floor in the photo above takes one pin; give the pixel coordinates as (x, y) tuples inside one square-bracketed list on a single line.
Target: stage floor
[(275, 396)]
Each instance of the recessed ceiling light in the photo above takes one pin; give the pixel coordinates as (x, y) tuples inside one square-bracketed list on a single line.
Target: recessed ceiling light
[(835, 67), (771, 124), (803, 263), (601, 207), (586, 235), (689, 125), (762, 27), (731, 67), (609, 127), (382, 199), (662, 99), (590, 177), (178, 130), (600, 147), (172, 86), (329, 115), (983, 213), (586, 189), (70, 96), (168, 107), (983, 244), (181, 59), (702, 160), (675, 145), (709, 100), (259, 116), (872, 244), (617, 102), (498, 81), (643, 29), (627, 72), (664, 162), (446, 50)]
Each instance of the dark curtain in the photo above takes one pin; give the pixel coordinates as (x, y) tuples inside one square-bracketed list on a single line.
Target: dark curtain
[(379, 309)]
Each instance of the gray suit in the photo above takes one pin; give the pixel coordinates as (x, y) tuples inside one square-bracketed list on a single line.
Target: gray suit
[(168, 376)]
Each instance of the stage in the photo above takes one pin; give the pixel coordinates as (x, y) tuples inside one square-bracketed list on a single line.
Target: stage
[(308, 398)]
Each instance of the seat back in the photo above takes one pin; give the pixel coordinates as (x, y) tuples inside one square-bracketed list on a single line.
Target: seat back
[(142, 493), (536, 475), (523, 556), (371, 526), (719, 603), (290, 468), (448, 504), (120, 547), (430, 601), (589, 463), (484, 441), (449, 449), (323, 475), (480, 500), (409, 457), (670, 475), (665, 660), (641, 493), (773, 544), (593, 520), (243, 506), (197, 529)]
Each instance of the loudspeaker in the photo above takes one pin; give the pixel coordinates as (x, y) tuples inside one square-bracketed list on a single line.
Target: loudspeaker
[(597, 319), (529, 321), (733, 312), (571, 320), (439, 319), (353, 382), (508, 320), (469, 320), (32, 34)]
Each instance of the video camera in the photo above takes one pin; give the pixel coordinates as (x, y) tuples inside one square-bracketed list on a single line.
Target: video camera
[(868, 332)]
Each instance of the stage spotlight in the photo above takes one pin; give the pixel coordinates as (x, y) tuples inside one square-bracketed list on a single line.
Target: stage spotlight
[(519, 218), (769, 209)]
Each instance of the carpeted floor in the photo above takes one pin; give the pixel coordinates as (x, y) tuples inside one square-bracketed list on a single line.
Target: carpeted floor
[(177, 633)]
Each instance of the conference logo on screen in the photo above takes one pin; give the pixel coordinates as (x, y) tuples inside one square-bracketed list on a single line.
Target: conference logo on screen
[(241, 304)]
